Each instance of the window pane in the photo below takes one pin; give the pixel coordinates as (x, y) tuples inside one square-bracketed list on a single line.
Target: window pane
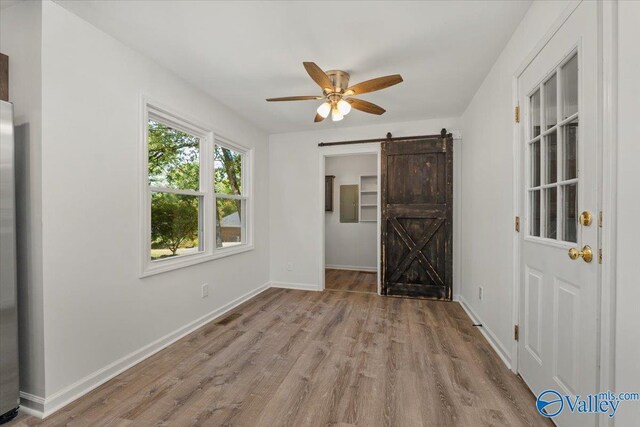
[(552, 157), (570, 213), (230, 222), (174, 157), (550, 102), (571, 150), (570, 87), (535, 163), (228, 171), (534, 227), (174, 225), (551, 217), (535, 114)]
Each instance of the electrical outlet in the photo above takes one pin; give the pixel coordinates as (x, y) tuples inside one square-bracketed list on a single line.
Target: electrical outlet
[(480, 291), (205, 290), (289, 266)]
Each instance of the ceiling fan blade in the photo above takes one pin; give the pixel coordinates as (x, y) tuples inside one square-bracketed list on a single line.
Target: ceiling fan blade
[(318, 118), (318, 76), (365, 106), (295, 98), (374, 84)]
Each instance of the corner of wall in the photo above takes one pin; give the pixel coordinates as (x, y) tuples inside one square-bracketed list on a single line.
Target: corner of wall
[(486, 243)]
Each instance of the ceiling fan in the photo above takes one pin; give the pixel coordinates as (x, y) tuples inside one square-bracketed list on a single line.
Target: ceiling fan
[(338, 94)]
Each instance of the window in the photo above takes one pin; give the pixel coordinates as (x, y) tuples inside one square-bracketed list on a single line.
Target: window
[(231, 198), (552, 135), (196, 194), (174, 187)]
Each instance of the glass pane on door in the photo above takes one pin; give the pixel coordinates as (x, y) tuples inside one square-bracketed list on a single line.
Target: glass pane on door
[(535, 114), (551, 215), (570, 213), (570, 152), (534, 227), (550, 102), (552, 158), (570, 88), (535, 163)]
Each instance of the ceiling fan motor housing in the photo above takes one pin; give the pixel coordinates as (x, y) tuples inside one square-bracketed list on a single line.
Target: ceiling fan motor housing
[(339, 78)]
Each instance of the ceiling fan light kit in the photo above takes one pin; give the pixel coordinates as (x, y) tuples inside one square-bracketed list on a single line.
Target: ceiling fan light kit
[(344, 107), (324, 109), (338, 95), (336, 115)]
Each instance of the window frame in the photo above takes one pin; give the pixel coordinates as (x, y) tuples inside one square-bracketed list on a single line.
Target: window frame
[(245, 185), (207, 226)]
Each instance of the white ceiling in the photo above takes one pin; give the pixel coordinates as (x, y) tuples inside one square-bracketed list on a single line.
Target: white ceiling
[(244, 52)]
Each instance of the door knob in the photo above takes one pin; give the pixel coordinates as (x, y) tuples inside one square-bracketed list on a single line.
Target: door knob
[(586, 253)]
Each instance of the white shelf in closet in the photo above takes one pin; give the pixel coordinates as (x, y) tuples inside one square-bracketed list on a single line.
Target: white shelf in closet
[(368, 198)]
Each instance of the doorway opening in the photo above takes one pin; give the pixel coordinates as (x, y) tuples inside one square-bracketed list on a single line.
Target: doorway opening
[(351, 223)]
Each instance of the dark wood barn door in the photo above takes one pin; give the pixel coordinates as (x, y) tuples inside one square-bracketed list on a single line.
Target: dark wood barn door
[(417, 211)]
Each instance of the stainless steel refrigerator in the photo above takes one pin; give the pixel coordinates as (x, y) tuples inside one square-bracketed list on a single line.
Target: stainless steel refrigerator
[(9, 386)]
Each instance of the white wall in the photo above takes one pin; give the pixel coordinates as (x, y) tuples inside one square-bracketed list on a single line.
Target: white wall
[(97, 310), (99, 315), (487, 183), (349, 245), (627, 354), (20, 39), (294, 170)]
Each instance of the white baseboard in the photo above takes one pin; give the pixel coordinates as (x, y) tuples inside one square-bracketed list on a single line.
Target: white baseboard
[(298, 286), (43, 407), (31, 404), (486, 332), (352, 268)]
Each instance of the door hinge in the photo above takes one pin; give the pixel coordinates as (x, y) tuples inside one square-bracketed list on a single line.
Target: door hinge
[(516, 332), (517, 114), (518, 224), (599, 256), (600, 219)]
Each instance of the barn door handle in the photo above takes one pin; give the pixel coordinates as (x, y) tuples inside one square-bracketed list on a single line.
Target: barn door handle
[(586, 253)]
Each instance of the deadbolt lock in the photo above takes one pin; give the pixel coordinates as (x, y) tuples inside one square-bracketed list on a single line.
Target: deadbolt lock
[(586, 253), (586, 218)]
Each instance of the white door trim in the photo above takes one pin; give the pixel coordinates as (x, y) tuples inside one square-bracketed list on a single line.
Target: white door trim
[(607, 143), (345, 150), (608, 35)]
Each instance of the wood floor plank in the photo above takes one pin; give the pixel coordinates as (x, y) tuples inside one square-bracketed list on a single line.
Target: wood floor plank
[(297, 358), (352, 281)]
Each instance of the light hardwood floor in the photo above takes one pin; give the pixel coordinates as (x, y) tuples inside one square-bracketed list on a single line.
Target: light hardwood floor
[(353, 281), (298, 358)]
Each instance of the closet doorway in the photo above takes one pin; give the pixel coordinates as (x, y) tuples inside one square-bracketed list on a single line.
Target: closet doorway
[(351, 223)]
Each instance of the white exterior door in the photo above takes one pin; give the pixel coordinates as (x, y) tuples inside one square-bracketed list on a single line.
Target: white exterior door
[(558, 295)]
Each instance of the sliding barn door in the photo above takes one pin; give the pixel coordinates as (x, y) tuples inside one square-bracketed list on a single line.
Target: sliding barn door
[(417, 196)]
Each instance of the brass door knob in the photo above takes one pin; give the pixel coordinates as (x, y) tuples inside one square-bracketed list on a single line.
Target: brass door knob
[(586, 253)]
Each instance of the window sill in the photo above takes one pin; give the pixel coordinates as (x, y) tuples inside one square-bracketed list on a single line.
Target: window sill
[(164, 266)]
